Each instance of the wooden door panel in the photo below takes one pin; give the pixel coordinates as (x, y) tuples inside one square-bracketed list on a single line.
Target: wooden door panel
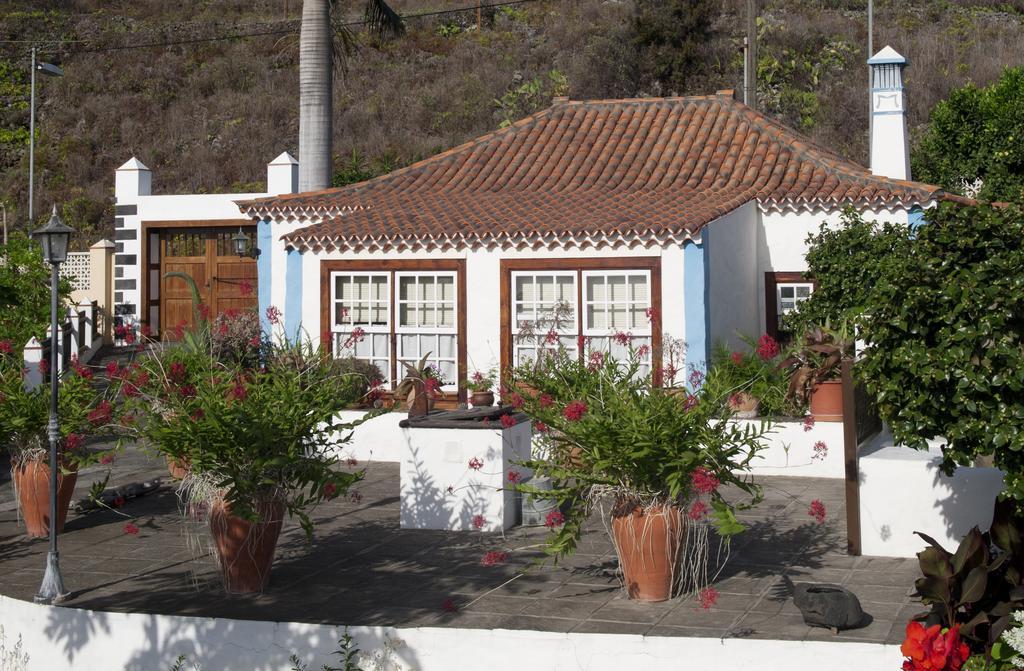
[(175, 295), (234, 284)]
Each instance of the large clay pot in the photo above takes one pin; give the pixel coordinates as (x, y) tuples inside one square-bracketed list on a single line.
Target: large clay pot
[(648, 543), (246, 549), (827, 401), (482, 399), (744, 405), (177, 469), (32, 480)]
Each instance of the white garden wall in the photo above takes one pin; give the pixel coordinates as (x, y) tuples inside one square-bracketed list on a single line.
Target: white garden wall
[(789, 450), (59, 639)]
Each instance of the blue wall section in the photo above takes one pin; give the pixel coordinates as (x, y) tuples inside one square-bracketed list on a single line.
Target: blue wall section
[(916, 217), (695, 303), (264, 242), (293, 295)]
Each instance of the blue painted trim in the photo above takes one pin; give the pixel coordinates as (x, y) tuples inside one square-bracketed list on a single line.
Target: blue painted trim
[(293, 295), (695, 303), (916, 218), (264, 242)]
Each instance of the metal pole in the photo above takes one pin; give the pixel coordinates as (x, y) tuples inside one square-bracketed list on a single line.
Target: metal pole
[(32, 143), (871, 52), (52, 589), (750, 62)]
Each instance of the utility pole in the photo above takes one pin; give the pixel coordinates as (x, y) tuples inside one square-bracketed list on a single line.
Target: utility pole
[(871, 52), (750, 57), (32, 143)]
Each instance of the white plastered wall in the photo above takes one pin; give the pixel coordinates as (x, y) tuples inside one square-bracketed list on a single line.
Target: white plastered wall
[(732, 276)]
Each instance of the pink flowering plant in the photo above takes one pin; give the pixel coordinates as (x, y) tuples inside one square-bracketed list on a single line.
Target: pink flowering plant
[(251, 429), (757, 370), (613, 435)]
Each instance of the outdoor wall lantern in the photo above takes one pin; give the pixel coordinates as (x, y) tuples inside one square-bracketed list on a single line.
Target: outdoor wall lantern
[(243, 245)]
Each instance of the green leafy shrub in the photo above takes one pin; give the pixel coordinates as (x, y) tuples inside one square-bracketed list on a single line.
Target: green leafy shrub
[(758, 372), (25, 291)]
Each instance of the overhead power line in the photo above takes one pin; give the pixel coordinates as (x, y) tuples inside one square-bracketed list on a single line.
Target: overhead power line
[(293, 27)]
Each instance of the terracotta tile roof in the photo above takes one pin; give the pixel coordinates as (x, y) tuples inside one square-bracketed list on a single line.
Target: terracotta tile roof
[(622, 170)]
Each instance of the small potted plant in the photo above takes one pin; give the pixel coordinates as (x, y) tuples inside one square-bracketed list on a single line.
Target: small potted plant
[(815, 371), (24, 415), (482, 387), (757, 379), (420, 387), (259, 441), (652, 458)]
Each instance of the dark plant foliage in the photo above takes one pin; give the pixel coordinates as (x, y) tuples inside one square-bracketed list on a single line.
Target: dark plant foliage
[(25, 292)]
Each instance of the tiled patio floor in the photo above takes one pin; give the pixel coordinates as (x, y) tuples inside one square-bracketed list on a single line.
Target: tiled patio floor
[(361, 569)]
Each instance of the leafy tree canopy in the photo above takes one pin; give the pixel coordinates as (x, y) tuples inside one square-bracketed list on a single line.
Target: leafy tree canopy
[(974, 144), (671, 37), (24, 291)]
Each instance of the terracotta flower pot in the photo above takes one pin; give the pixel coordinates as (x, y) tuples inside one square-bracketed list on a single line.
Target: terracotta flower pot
[(32, 480), (482, 399), (178, 469), (246, 549), (648, 543), (827, 401), (744, 405)]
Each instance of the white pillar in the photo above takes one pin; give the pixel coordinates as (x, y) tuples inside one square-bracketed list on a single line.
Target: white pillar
[(101, 277), (890, 152), (283, 175), (90, 323), (76, 345), (32, 356), (133, 179)]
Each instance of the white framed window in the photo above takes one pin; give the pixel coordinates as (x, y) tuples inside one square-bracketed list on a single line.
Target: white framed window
[(362, 300), (427, 323), (616, 312), (537, 296), (788, 296)]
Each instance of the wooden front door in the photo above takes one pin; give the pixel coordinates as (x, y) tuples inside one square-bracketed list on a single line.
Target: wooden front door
[(224, 280)]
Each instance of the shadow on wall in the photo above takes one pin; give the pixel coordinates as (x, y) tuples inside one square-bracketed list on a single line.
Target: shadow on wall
[(970, 500)]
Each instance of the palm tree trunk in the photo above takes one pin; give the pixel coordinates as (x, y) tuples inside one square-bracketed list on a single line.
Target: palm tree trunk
[(315, 96)]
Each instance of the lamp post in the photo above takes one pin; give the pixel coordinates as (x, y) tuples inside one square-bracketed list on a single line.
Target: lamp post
[(54, 238), (53, 71), (241, 242)]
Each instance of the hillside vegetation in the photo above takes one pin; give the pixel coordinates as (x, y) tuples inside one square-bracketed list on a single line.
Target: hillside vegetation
[(208, 115)]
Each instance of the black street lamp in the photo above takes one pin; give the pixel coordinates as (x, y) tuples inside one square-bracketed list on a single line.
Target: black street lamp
[(241, 242), (54, 238)]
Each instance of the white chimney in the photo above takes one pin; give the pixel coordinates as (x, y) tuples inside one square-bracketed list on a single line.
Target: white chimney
[(890, 153), (131, 180), (283, 175)]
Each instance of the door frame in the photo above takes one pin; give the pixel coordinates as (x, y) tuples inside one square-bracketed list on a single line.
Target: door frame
[(149, 227)]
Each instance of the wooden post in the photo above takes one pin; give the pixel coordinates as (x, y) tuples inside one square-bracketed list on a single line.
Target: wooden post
[(850, 452)]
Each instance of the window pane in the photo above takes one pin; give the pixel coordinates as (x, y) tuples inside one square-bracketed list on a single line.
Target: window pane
[(546, 289), (617, 289), (596, 289), (446, 346), (639, 291), (803, 292), (446, 289), (428, 288), (427, 316), (566, 289), (407, 288), (617, 316), (406, 315), (380, 289), (410, 346), (597, 317), (525, 289), (786, 291), (446, 315)]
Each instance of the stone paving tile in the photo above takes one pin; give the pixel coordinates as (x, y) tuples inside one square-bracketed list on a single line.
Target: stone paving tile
[(361, 568)]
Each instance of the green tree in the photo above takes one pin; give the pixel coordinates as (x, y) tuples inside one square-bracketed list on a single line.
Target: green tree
[(671, 37), (974, 144), (24, 291), (944, 327)]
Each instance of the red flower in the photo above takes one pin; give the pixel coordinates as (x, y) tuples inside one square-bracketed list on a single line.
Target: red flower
[(330, 491), (541, 427), (107, 459), (574, 411), (507, 421), (651, 314), (254, 341), (734, 401), (432, 386), (245, 288), (118, 502), (820, 451), (494, 558), (515, 400), (44, 366), (205, 311), (448, 606), (179, 331), (357, 335), (817, 511), (5, 347), (697, 511), (101, 414), (119, 331), (691, 402), (514, 476), (595, 361), (131, 529), (707, 597), (187, 391), (198, 414), (932, 649), (554, 519), (737, 358), (73, 441), (130, 390), (643, 351), (273, 315), (696, 378), (808, 422), (127, 419), (704, 481), (476, 464), (479, 521), (129, 337), (176, 373), (622, 338), (767, 347), (146, 331), (546, 401), (238, 391), (351, 461), (552, 337)]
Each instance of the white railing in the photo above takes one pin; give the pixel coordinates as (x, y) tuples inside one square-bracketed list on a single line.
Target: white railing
[(77, 337)]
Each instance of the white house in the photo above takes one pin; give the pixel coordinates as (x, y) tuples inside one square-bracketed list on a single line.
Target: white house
[(694, 210)]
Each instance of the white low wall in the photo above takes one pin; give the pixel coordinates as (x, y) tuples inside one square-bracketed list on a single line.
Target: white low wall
[(57, 639), (789, 450), (903, 491), (378, 439)]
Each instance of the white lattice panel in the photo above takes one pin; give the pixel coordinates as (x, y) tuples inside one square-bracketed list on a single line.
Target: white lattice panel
[(76, 269)]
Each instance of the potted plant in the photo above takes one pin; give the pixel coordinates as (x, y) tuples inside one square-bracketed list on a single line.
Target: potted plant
[(815, 367), (24, 415), (757, 378), (482, 387), (421, 386), (259, 441), (651, 458)]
